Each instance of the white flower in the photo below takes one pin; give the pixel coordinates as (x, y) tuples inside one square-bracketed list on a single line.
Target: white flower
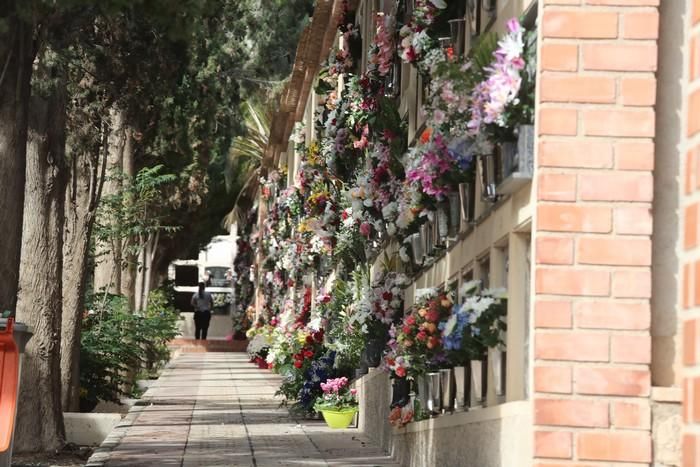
[(450, 325), (403, 254)]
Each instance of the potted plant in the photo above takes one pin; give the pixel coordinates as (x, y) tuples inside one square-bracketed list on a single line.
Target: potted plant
[(338, 403)]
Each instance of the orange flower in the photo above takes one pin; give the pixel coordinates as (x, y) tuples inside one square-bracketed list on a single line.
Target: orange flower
[(425, 136)]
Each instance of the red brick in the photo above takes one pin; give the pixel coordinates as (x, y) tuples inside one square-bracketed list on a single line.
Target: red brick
[(634, 155), (569, 281), (567, 464), (627, 57), (555, 250), (631, 415), (575, 413), (690, 238), (562, 122), (619, 251), (695, 395), (632, 284), (638, 91), (574, 218), (619, 123), (694, 113), (616, 186), (579, 24), (686, 279), (624, 2), (690, 343), (576, 153), (696, 286), (583, 89), (572, 346), (552, 314), (614, 446), (641, 25), (695, 57), (554, 444), (633, 221), (696, 163), (689, 171), (557, 187), (609, 381), (630, 349), (559, 57), (691, 456), (553, 379), (614, 315)]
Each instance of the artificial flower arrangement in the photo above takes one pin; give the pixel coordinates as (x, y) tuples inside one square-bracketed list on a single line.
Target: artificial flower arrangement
[(416, 345), (476, 325), (504, 99)]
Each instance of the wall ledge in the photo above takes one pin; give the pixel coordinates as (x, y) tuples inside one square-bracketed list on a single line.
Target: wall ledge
[(465, 418), (666, 394)]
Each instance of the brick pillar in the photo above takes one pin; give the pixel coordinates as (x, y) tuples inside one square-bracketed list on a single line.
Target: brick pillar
[(691, 245), (596, 127)]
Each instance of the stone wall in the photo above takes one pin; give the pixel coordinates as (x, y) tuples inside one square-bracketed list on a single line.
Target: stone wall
[(498, 436)]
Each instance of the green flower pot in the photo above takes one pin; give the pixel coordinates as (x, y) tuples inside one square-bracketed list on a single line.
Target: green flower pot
[(339, 419)]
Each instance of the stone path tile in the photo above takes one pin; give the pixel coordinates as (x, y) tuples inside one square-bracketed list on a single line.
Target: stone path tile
[(216, 409)]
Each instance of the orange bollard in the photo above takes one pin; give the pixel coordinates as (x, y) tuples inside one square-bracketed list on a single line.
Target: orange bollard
[(9, 376)]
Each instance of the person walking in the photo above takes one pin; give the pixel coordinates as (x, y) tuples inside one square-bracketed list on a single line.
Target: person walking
[(202, 301)]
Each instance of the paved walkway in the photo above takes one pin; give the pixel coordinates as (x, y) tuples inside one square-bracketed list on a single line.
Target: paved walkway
[(216, 409)]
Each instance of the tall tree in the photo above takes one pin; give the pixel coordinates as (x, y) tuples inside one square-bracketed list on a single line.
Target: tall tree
[(40, 416), (17, 50)]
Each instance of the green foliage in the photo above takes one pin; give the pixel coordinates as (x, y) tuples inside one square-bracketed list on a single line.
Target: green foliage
[(116, 342), (134, 211)]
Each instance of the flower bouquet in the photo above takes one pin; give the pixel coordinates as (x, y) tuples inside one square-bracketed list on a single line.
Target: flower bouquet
[(338, 403), (476, 325)]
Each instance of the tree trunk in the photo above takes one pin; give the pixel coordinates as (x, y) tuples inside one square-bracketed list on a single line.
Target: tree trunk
[(128, 273), (40, 418), (109, 255), (82, 196), (16, 55)]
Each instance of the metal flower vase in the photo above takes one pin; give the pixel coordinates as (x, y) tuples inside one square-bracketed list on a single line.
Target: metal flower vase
[(466, 200), (434, 395), (477, 384), (457, 33), (487, 168), (400, 392), (447, 386), (454, 210), (417, 248), (421, 394), (462, 386), (442, 221)]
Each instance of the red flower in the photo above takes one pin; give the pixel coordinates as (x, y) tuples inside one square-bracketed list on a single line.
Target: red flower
[(433, 316), (308, 353), (422, 336), (406, 329), (387, 296), (309, 339), (411, 320), (298, 364), (400, 372)]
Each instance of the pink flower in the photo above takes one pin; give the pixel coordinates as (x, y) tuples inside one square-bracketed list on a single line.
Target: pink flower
[(353, 391), (365, 229)]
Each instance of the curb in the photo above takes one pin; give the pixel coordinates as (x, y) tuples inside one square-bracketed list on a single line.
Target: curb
[(102, 454)]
